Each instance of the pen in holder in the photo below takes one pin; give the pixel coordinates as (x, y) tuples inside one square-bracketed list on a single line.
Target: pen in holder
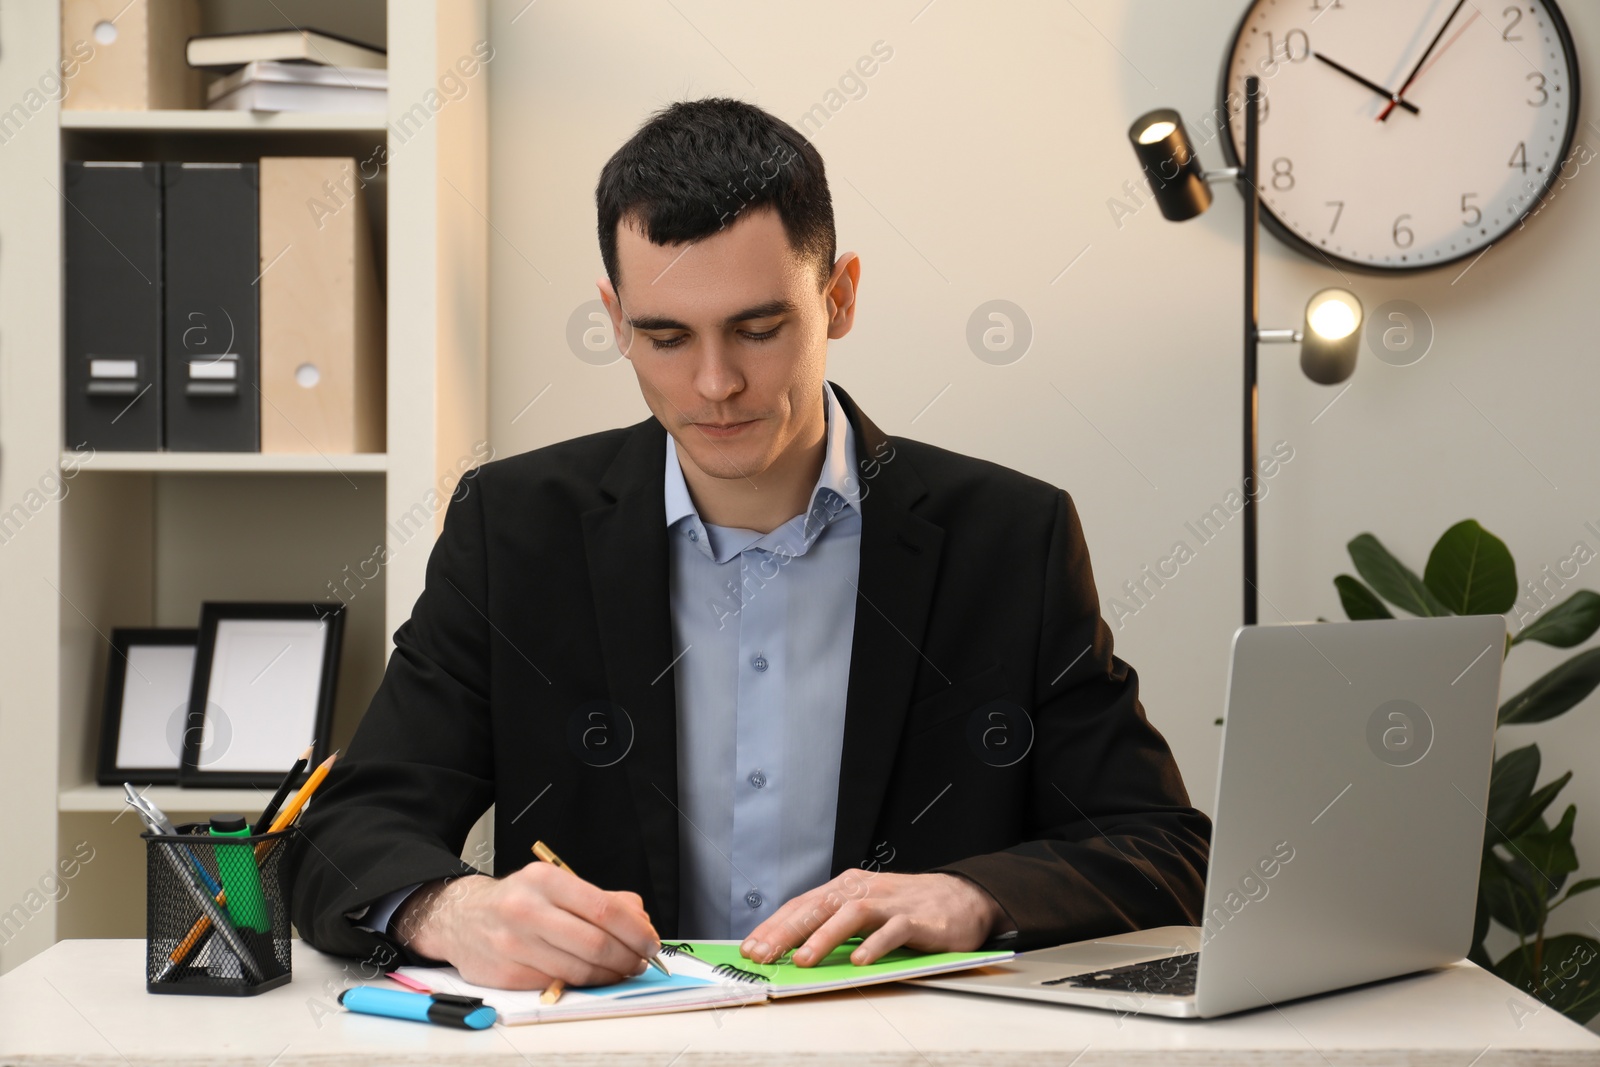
[(217, 915)]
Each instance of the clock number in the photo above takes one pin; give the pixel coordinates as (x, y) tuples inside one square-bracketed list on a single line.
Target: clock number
[(1318, 5), (1403, 237), (1519, 158), (1283, 174), (1515, 14), (1288, 51), (1538, 87), (1338, 211), (1473, 209), (1305, 46)]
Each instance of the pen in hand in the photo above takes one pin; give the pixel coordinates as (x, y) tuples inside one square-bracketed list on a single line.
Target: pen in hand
[(554, 990)]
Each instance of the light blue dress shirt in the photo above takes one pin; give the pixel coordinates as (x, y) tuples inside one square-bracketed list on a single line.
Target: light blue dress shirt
[(762, 626)]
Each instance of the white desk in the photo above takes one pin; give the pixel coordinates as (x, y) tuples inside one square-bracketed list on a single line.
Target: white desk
[(83, 1002)]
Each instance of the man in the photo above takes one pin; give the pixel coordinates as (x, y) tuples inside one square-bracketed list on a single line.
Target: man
[(752, 667)]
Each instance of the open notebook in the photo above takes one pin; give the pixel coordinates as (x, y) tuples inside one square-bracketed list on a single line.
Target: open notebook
[(705, 974)]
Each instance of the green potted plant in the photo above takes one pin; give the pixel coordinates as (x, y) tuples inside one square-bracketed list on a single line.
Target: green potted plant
[(1526, 859)]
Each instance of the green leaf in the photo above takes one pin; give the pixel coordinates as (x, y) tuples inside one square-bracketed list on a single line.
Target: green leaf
[(1532, 808), (1507, 889), (1556, 692), (1567, 979), (1549, 852), (1578, 887), (1569, 623), (1471, 572), (1359, 601), (1391, 579), (1512, 783)]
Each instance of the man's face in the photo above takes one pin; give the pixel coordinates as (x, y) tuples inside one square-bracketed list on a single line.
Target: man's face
[(728, 336)]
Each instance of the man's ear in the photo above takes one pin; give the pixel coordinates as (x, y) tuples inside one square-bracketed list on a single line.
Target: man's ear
[(843, 285), (613, 304)]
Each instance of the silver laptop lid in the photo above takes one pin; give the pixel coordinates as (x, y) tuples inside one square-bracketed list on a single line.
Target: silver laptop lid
[(1350, 805)]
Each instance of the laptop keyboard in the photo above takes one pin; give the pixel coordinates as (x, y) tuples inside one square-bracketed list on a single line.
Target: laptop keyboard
[(1170, 976)]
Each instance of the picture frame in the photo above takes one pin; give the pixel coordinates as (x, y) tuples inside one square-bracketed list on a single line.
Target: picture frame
[(149, 678), (264, 680)]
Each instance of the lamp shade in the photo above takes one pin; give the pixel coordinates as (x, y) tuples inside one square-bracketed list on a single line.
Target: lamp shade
[(1332, 336), (1165, 152)]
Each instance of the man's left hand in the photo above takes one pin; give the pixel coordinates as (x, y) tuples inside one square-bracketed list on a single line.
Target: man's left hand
[(925, 912)]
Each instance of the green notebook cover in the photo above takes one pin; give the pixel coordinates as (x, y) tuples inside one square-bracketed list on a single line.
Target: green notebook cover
[(785, 978)]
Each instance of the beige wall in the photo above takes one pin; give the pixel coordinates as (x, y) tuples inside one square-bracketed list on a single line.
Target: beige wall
[(978, 165)]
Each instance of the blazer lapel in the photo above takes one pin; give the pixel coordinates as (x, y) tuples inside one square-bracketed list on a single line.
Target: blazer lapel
[(899, 567), (626, 545)]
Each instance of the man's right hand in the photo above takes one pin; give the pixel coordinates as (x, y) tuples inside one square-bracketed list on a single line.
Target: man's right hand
[(533, 926)]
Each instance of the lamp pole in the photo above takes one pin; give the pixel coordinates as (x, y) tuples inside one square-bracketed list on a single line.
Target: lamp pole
[(1252, 295), (1331, 339)]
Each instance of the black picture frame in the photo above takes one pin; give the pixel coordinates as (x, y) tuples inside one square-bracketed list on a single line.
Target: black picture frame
[(221, 625), (125, 641)]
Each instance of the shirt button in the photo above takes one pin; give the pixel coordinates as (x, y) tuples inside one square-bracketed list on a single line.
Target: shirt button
[(694, 535), (753, 899), (758, 779), (759, 663)]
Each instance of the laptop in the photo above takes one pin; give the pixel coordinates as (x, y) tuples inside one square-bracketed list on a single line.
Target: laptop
[(1347, 833)]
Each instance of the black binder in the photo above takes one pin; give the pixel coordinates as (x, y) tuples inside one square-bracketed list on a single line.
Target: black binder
[(212, 363), (112, 248)]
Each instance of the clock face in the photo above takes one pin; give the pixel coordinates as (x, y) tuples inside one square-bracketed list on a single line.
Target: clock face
[(1488, 96)]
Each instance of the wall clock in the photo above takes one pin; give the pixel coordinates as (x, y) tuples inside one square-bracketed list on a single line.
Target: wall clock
[(1401, 135)]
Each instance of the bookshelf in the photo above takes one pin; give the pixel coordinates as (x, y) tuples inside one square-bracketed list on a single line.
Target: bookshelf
[(219, 121), (170, 799), (237, 462), (140, 539)]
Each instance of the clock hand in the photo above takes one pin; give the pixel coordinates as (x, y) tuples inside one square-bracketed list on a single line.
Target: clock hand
[(1384, 115), (1393, 98)]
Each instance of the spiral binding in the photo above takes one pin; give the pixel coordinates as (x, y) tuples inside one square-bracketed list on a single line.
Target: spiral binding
[(721, 970), (738, 974)]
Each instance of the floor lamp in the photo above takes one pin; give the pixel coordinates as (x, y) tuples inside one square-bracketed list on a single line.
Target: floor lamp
[(1331, 335)]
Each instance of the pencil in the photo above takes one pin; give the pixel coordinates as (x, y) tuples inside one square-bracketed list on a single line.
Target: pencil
[(284, 817), (287, 813), (553, 991)]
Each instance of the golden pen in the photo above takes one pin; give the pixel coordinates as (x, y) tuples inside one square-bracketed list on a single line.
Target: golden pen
[(553, 991)]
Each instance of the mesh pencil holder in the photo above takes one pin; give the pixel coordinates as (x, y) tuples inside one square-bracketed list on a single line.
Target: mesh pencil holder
[(237, 946)]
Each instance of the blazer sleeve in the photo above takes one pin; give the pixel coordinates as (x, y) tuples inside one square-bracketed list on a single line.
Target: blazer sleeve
[(396, 809), (1114, 844)]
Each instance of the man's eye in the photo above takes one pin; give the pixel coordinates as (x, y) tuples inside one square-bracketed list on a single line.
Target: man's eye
[(661, 344)]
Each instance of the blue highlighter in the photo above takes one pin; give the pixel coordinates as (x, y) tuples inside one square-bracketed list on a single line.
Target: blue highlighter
[(444, 1009)]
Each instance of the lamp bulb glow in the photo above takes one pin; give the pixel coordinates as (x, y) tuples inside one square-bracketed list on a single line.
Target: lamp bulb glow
[(1333, 319), (1156, 131)]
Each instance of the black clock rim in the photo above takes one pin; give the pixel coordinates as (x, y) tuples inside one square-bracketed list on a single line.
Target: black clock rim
[(1283, 233)]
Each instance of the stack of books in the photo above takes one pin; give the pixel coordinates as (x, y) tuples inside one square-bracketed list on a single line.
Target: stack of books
[(291, 70)]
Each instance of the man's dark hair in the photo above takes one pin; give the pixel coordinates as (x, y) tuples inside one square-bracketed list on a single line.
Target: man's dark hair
[(696, 166)]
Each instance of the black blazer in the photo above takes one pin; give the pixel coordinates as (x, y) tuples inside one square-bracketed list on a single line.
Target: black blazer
[(989, 729)]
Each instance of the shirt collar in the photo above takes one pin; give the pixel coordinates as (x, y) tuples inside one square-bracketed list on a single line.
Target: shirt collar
[(837, 491)]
